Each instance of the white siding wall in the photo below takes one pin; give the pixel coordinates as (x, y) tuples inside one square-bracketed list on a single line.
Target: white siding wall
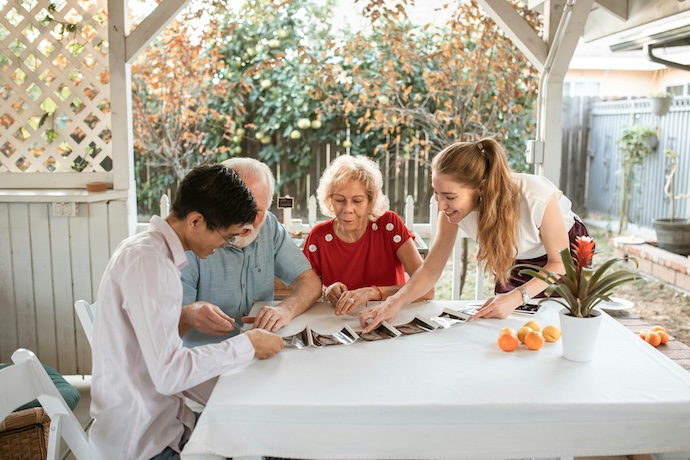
[(46, 263)]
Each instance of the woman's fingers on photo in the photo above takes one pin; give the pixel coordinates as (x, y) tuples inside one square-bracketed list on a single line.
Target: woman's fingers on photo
[(485, 311), (364, 318), (370, 320)]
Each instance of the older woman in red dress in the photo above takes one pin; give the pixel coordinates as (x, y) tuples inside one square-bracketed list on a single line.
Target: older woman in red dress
[(363, 253)]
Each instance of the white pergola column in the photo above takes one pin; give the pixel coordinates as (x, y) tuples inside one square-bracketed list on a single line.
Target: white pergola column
[(564, 25), (124, 48)]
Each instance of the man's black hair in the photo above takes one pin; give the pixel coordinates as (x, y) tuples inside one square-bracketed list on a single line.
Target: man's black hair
[(218, 194)]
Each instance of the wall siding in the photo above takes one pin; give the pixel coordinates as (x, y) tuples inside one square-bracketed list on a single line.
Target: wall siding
[(49, 262)]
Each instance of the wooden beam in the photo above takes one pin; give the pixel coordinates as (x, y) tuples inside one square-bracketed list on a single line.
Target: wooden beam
[(518, 30), (150, 27), (564, 49), (618, 8)]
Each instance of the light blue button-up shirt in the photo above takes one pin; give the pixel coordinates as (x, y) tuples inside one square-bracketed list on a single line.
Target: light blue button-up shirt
[(234, 279)]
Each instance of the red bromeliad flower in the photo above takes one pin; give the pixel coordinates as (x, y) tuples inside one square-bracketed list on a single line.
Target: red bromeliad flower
[(584, 251)]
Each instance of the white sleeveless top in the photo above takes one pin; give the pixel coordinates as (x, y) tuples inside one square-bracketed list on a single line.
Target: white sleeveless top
[(534, 192)]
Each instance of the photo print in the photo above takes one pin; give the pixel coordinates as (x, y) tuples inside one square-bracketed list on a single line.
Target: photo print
[(345, 336), (449, 318), (299, 340), (416, 326), (384, 331), (531, 308)]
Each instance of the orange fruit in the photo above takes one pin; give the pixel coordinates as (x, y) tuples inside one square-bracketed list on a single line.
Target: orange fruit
[(522, 332), (659, 328), (534, 340), (534, 325), (508, 342), (507, 330), (551, 333), (663, 335), (643, 334), (653, 338)]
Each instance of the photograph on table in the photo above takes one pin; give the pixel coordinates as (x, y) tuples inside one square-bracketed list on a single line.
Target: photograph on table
[(299, 340), (345, 336), (531, 308), (417, 325), (384, 331), (449, 318)]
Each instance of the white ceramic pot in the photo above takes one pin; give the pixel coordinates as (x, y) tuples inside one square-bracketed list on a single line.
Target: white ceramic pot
[(579, 335)]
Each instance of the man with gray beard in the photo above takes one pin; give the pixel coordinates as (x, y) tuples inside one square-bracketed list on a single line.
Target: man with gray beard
[(219, 291)]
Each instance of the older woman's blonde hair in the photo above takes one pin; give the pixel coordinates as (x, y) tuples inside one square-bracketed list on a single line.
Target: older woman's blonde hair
[(344, 169)]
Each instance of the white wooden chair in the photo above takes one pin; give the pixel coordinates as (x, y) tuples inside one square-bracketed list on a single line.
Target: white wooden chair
[(85, 313), (27, 380)]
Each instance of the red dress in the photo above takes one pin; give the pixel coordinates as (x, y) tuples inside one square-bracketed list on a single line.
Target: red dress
[(372, 260)]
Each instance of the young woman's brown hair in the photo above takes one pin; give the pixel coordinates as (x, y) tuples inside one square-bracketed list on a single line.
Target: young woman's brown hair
[(483, 165)]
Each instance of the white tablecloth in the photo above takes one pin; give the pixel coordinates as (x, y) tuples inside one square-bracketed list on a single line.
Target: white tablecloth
[(448, 394)]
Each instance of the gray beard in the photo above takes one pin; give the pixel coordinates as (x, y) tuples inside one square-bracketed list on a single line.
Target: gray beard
[(242, 242)]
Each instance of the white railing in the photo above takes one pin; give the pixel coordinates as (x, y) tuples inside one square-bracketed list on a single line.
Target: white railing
[(423, 230)]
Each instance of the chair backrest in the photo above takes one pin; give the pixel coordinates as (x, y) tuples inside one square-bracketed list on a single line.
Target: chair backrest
[(27, 380), (85, 313)]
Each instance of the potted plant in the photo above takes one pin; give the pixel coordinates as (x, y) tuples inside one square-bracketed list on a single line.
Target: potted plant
[(673, 234), (581, 289), (660, 103), (636, 144)]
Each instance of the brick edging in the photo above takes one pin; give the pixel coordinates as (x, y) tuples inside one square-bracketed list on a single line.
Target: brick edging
[(659, 263)]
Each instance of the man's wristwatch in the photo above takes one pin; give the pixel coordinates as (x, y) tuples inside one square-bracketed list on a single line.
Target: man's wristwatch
[(525, 295)]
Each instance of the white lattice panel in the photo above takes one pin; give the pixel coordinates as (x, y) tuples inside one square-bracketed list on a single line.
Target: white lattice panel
[(54, 86)]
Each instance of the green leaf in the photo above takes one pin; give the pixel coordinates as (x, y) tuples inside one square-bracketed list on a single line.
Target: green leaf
[(43, 119)]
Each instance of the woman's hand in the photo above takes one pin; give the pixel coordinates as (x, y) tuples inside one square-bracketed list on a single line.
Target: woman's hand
[(371, 318), (334, 292), (500, 305), (350, 300)]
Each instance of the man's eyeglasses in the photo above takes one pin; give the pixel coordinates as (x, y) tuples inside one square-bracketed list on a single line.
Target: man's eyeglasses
[(229, 242)]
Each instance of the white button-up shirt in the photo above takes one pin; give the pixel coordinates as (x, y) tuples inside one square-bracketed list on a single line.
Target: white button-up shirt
[(140, 367)]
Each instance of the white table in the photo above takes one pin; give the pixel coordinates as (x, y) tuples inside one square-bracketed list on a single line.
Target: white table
[(448, 394)]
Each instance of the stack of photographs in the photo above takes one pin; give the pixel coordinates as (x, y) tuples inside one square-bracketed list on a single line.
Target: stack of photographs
[(310, 338)]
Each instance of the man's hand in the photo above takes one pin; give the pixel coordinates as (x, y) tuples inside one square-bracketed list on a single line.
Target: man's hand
[(266, 344), (269, 318), (206, 318)]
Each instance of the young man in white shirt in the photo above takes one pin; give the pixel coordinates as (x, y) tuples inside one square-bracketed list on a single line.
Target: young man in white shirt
[(141, 370)]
